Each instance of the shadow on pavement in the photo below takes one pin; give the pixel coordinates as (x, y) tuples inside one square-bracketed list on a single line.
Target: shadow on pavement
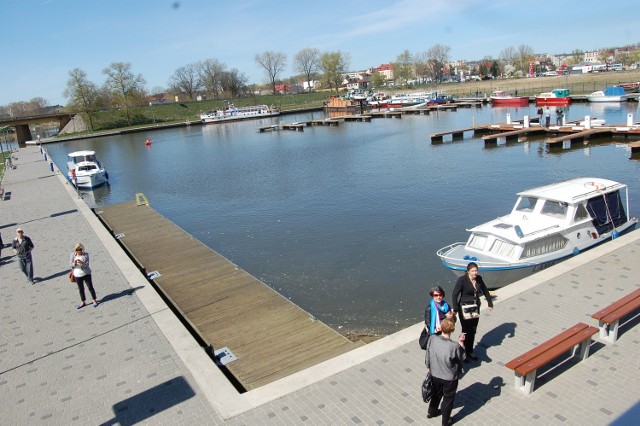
[(113, 296)]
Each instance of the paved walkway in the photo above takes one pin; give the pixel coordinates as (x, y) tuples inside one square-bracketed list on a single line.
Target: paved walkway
[(130, 361)]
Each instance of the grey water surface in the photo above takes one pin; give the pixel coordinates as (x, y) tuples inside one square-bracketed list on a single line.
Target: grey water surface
[(345, 221)]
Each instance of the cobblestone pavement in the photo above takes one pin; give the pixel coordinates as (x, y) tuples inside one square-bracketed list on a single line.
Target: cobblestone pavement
[(118, 363)]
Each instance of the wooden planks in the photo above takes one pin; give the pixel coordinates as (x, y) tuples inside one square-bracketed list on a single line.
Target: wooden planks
[(227, 307)]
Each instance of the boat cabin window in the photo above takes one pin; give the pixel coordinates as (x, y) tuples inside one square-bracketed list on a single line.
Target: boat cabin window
[(554, 209), (87, 168), (502, 248), (544, 245), (477, 241), (526, 204), (581, 214)]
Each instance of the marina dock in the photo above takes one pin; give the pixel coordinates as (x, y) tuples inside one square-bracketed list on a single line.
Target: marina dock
[(131, 361), (257, 334)]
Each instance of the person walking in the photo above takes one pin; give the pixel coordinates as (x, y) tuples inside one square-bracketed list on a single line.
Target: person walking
[(79, 261), (436, 311), (444, 360), (466, 303), (22, 246)]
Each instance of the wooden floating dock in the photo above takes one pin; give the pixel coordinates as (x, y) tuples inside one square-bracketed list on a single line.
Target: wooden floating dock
[(224, 305)]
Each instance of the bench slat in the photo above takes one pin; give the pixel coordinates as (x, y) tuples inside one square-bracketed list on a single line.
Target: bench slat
[(555, 351), (610, 314), (540, 349)]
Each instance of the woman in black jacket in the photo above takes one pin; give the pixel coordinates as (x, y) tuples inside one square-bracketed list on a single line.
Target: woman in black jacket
[(467, 290)]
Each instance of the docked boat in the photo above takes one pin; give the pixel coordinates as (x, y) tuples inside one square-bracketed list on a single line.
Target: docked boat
[(233, 114), (557, 97), (610, 94), (630, 87), (85, 171), (440, 99), (406, 100), (502, 98), (547, 225)]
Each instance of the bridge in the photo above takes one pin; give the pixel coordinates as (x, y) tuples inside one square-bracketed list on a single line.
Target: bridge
[(21, 124)]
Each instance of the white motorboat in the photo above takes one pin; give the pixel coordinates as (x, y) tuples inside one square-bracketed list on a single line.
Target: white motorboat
[(85, 171), (610, 94), (547, 225), (232, 113)]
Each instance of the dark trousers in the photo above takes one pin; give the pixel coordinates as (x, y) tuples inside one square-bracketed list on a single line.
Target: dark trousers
[(81, 281), (469, 327), (26, 266), (444, 390)]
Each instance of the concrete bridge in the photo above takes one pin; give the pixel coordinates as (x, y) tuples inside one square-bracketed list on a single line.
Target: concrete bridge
[(21, 124)]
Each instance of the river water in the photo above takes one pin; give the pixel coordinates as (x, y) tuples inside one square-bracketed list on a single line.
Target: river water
[(345, 221)]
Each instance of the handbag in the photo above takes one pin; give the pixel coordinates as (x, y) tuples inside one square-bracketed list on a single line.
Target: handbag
[(424, 338), (71, 277), (469, 311), (427, 388)]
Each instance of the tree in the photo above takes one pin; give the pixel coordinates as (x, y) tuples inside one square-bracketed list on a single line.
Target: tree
[(210, 75), (508, 55), (234, 82), (421, 66), (306, 63), (524, 57), (186, 80), (333, 66), (438, 57), (495, 68), (377, 80), (124, 85), (577, 56), (404, 66), (83, 94), (273, 63)]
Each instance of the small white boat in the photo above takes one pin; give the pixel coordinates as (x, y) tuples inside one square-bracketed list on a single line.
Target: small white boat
[(233, 114), (547, 225), (610, 94), (85, 171)]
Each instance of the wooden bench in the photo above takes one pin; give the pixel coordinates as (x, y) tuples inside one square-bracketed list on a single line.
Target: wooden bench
[(609, 317), (527, 364)]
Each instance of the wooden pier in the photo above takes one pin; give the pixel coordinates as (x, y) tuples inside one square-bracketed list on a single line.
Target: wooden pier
[(234, 314)]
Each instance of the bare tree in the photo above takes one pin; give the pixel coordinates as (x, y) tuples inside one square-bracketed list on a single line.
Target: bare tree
[(524, 57), (186, 80), (333, 66), (234, 82), (273, 63), (306, 63), (83, 94), (438, 57), (421, 66), (404, 66), (124, 85), (577, 56), (23, 109), (210, 74), (508, 55)]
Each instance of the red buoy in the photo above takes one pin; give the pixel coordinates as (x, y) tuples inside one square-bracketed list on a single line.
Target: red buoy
[(147, 142)]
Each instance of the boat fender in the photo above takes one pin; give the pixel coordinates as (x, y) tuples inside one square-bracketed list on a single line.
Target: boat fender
[(518, 231), (470, 258), (615, 234), (576, 251)]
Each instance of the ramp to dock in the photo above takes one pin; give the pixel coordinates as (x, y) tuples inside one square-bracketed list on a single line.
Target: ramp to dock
[(226, 306)]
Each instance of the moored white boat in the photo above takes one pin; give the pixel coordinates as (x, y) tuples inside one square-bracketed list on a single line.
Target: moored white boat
[(232, 113), (610, 94), (85, 171), (547, 225)]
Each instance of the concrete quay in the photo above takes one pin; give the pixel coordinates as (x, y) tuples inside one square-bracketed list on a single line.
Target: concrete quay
[(130, 360)]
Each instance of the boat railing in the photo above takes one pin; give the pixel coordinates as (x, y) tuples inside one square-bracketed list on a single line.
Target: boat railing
[(482, 264)]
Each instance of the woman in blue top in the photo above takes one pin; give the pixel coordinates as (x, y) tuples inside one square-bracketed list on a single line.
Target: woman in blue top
[(437, 310)]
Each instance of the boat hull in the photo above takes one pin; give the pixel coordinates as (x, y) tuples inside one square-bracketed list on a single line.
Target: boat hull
[(620, 98), (553, 101), (218, 119), (510, 102)]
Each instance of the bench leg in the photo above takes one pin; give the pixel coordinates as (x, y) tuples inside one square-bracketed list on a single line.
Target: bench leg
[(609, 332), (583, 349), (526, 383)]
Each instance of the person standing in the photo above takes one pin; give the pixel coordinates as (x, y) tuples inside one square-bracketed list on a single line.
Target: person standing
[(467, 291), (559, 116), (444, 360), (436, 311), (79, 261), (1, 247), (22, 245), (547, 117)]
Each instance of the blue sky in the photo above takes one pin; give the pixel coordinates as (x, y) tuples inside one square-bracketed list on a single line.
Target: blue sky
[(44, 39)]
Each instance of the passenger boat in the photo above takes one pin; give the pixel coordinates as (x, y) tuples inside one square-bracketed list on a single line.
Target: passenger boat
[(502, 98), (233, 114), (406, 100), (610, 94), (547, 225), (85, 171), (557, 97)]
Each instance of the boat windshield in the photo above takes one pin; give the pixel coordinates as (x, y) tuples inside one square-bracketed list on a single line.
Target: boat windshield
[(526, 204), (554, 209), (477, 241), (87, 168)]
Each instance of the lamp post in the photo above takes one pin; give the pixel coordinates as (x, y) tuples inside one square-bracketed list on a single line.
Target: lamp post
[(153, 113)]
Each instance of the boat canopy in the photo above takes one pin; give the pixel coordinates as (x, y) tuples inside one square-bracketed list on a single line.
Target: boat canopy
[(614, 91), (561, 93), (607, 211)]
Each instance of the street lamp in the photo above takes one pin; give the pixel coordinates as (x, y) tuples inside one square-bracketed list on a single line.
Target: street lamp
[(152, 112)]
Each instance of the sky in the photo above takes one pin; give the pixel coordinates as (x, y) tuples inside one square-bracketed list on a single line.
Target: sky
[(42, 40)]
